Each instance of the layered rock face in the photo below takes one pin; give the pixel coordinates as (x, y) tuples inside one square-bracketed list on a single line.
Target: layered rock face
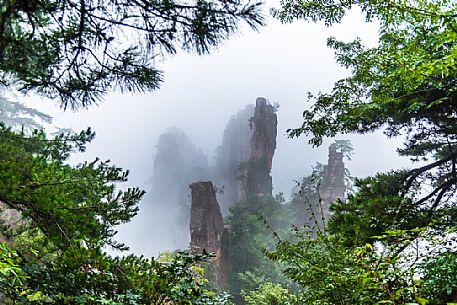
[(234, 150), (206, 222), (242, 168), (244, 159), (263, 144), (314, 195), (207, 228), (332, 186)]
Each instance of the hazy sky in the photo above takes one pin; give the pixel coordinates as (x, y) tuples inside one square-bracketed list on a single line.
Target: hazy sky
[(280, 62)]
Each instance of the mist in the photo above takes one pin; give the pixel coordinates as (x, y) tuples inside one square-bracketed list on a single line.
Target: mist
[(198, 98)]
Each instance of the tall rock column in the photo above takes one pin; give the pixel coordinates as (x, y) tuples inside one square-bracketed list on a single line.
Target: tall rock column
[(244, 159), (263, 144), (332, 186), (207, 225), (206, 222), (234, 151)]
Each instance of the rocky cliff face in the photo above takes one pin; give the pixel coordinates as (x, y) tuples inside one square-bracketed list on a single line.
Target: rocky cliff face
[(206, 222), (311, 201), (332, 186), (234, 150), (244, 159), (207, 227), (242, 167), (263, 144)]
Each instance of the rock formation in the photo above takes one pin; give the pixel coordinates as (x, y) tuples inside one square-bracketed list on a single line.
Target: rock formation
[(244, 159), (234, 150), (313, 196), (263, 144), (242, 168), (176, 164), (207, 227), (206, 222), (332, 186), (10, 219)]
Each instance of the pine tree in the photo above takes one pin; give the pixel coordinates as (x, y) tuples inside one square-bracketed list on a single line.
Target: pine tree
[(76, 51)]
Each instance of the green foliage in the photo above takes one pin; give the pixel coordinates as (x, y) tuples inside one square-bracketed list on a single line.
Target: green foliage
[(378, 206), (270, 294), (82, 276), (327, 272), (11, 275), (69, 204), (440, 279), (253, 226), (379, 248), (77, 51), (406, 84), (179, 280), (56, 253), (304, 207), (331, 272)]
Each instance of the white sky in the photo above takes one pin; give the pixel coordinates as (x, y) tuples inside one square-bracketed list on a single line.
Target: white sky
[(281, 63)]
